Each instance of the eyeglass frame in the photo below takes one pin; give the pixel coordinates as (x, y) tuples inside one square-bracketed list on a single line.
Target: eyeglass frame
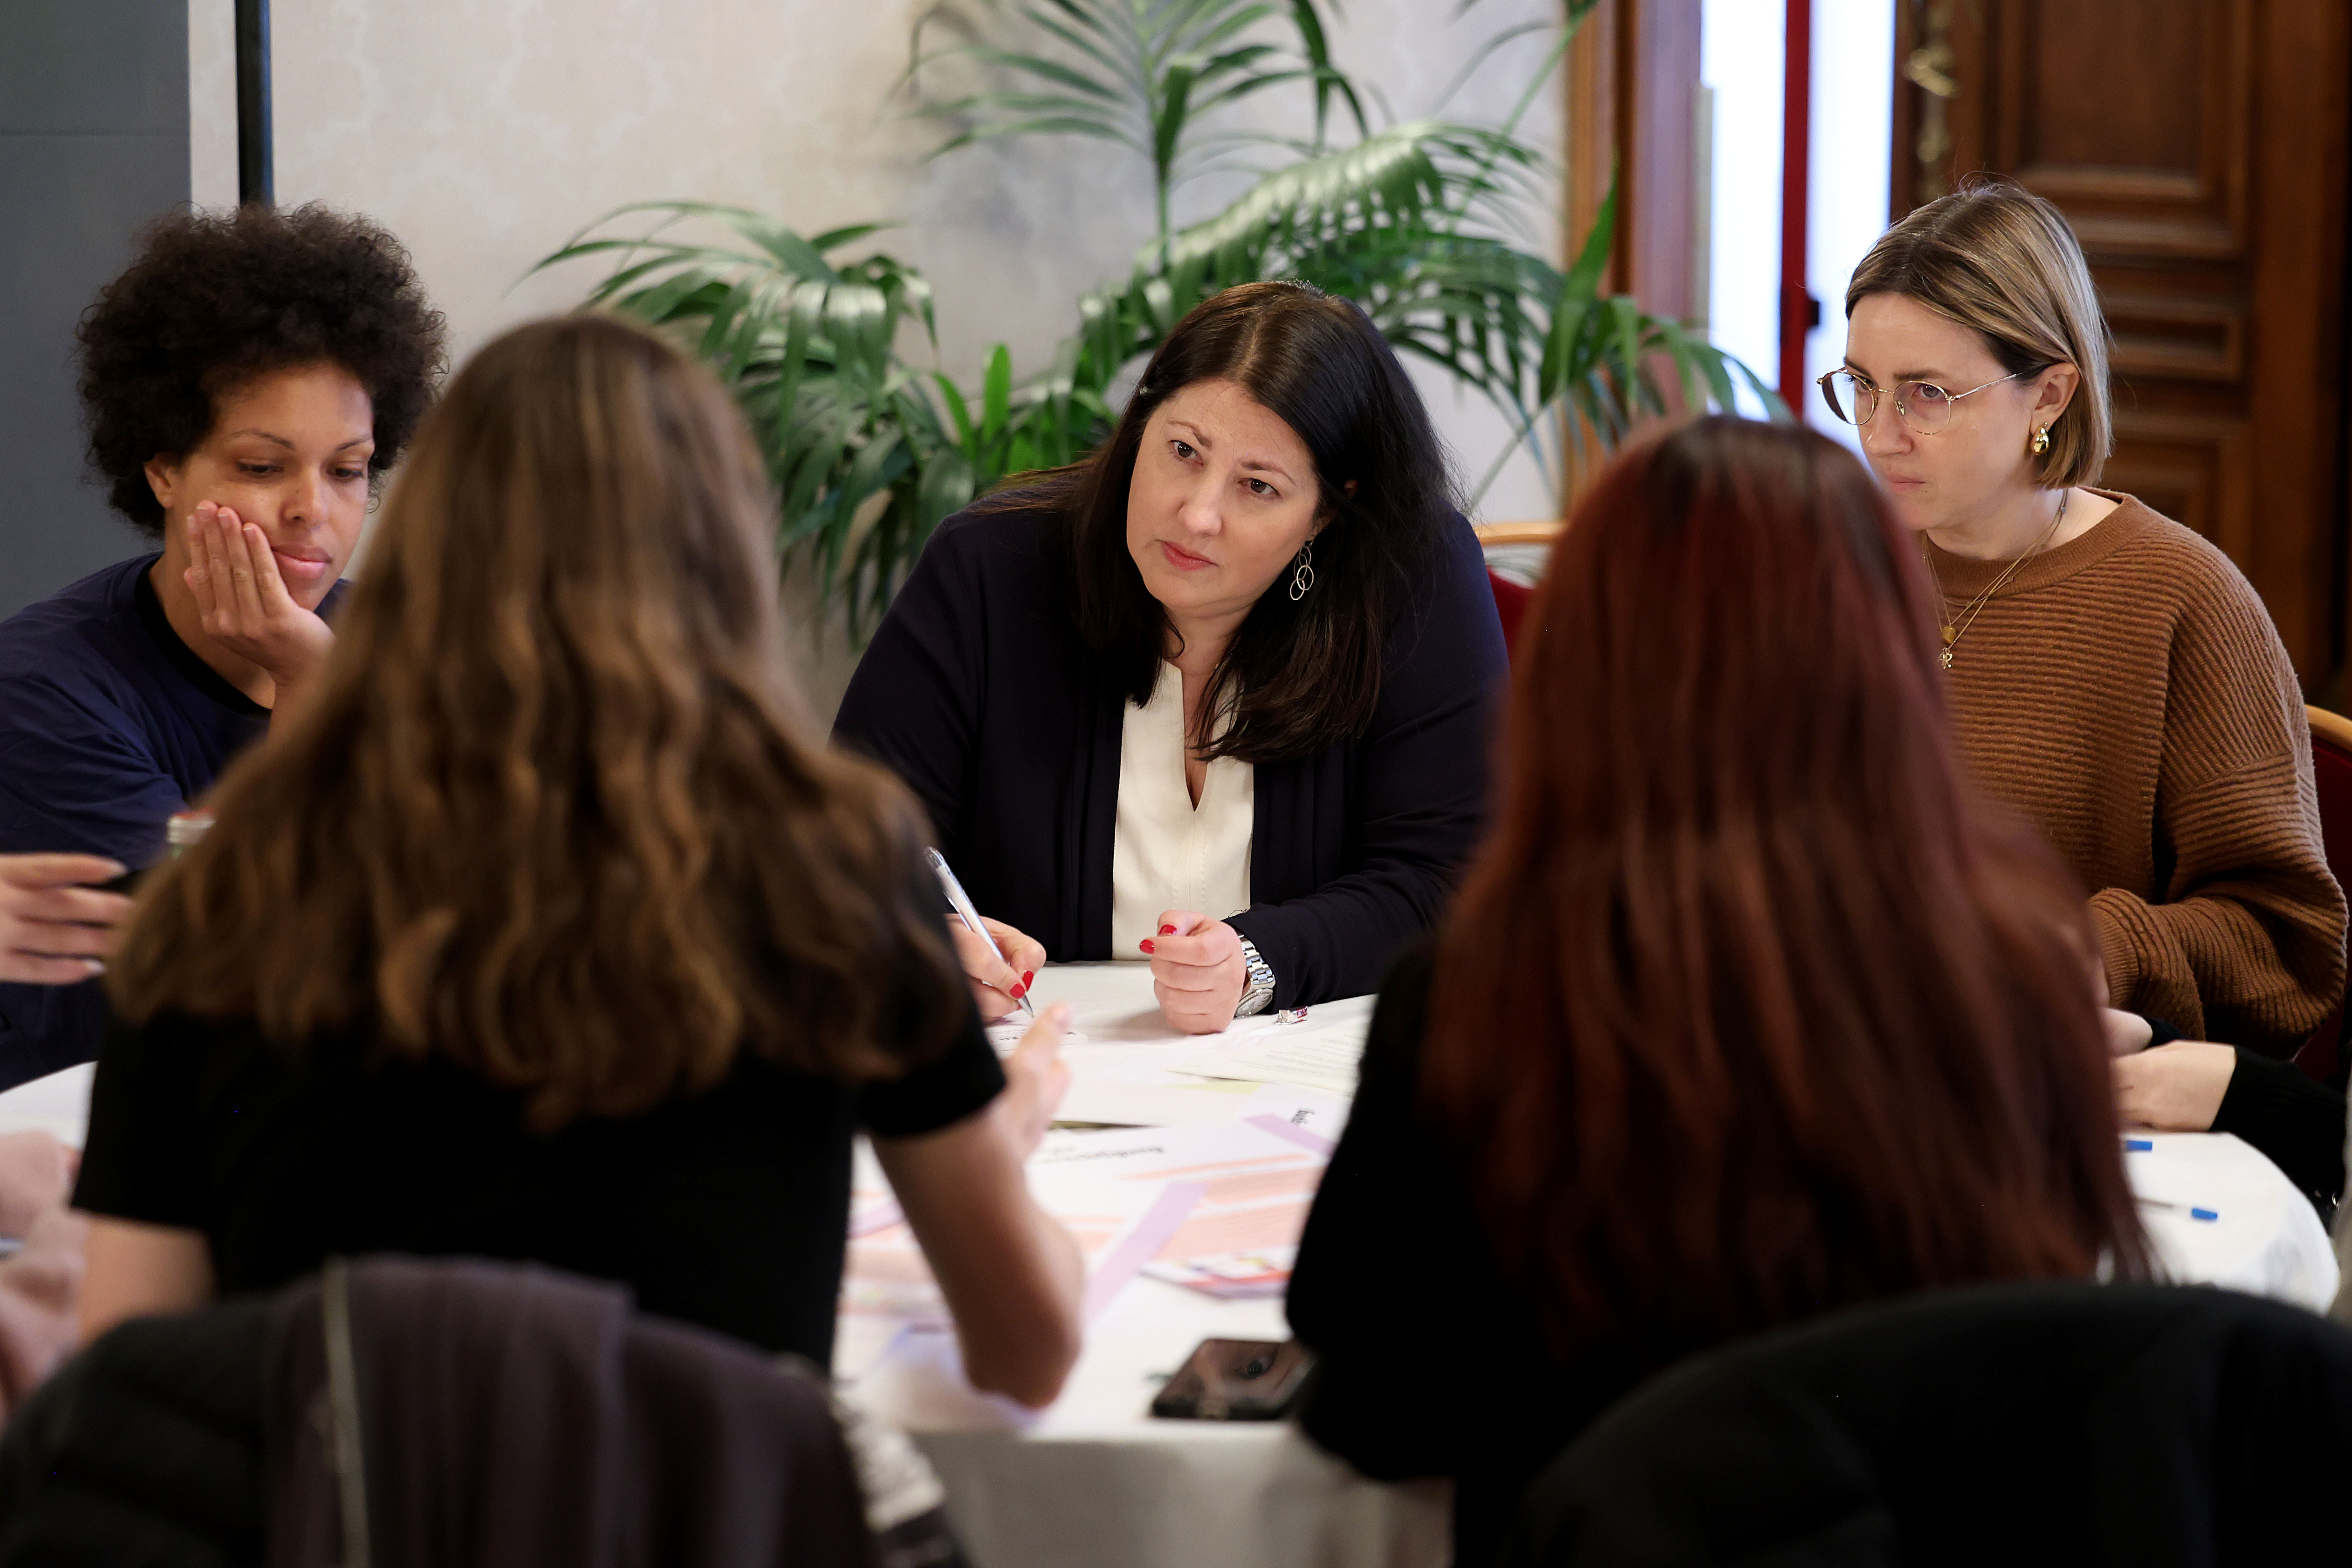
[(1902, 413)]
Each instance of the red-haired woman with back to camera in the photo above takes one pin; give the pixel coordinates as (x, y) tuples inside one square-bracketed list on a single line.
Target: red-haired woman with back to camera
[(1749, 1010)]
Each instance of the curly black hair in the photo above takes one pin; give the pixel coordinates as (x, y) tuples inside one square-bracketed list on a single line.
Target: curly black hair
[(214, 299)]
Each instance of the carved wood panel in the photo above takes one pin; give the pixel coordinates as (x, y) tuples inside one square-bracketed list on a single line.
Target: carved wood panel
[(2199, 150)]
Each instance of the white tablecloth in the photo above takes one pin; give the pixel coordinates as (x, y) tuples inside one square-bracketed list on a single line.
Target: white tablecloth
[(1097, 1481), (2262, 1236)]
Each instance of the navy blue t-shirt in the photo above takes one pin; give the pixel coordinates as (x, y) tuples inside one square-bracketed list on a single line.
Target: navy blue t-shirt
[(108, 723)]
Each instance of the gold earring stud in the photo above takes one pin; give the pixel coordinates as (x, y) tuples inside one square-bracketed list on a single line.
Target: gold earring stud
[(2042, 440)]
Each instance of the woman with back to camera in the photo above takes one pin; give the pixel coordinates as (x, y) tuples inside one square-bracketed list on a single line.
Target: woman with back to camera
[(1219, 695), (1748, 1011), (2113, 677), (245, 381), (545, 928)]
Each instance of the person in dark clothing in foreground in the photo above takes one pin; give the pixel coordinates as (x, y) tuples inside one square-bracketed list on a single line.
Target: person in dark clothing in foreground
[(545, 930), (245, 382), (1749, 1010)]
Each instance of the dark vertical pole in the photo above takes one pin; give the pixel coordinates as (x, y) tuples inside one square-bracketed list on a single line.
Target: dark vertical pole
[(256, 174), (1799, 311)]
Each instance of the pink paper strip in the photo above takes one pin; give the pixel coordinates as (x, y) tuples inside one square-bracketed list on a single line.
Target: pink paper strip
[(881, 1216), (1313, 1142), (1142, 1243)]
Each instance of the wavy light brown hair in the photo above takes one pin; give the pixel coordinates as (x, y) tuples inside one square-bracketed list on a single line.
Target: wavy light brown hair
[(1999, 259), (554, 812), (1750, 1009)]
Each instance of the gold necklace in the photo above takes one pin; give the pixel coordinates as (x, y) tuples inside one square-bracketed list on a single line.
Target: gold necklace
[(1957, 627)]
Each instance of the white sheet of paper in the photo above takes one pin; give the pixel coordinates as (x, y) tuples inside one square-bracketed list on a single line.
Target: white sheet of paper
[(1320, 1052), (1129, 1068), (1179, 1102), (57, 1104)]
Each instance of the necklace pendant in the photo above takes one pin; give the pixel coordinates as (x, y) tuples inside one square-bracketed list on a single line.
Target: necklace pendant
[(1948, 658)]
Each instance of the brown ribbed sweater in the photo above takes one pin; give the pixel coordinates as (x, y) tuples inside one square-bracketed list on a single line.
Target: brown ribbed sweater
[(2127, 693)]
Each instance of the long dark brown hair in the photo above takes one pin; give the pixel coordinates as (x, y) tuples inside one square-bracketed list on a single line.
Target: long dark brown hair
[(554, 812), (1300, 676), (1750, 1009)]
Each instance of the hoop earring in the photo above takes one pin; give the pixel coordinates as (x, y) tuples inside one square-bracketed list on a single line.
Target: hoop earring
[(2042, 440), (1303, 576)]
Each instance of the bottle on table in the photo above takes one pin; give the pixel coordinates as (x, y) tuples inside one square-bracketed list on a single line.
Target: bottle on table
[(184, 831)]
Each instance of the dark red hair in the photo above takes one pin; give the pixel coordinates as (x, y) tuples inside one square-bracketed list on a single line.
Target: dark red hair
[(1750, 1009)]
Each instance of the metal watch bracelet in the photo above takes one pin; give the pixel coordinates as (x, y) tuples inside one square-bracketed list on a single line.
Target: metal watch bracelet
[(1260, 990)]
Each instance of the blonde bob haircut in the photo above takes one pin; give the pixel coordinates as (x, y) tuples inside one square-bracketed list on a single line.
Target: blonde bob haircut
[(1996, 258), (554, 812)]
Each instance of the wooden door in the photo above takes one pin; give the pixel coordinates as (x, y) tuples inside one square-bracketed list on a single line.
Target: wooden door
[(1633, 96), (2200, 149), (1632, 80)]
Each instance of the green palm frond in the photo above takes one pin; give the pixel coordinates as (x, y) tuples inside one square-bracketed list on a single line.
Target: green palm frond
[(1382, 224), (863, 464), (1140, 73), (1375, 222)]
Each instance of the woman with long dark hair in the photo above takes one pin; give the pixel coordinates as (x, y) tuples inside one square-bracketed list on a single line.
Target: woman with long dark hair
[(545, 928), (1217, 696), (1748, 1009)]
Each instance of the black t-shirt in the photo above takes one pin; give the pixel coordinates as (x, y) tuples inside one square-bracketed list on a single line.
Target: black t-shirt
[(1431, 1364), (108, 723), (728, 1208)]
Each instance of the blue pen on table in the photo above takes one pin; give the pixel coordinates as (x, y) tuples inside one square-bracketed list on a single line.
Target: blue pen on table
[(2190, 1210), (969, 913)]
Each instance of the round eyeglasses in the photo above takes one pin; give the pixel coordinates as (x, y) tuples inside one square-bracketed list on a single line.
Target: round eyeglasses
[(1922, 405)]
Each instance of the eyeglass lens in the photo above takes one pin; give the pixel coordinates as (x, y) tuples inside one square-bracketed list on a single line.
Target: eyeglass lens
[(1922, 404)]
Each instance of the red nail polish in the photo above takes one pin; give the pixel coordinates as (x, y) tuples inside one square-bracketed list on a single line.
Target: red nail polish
[(1018, 991), (1145, 944), (1167, 930), (1027, 976)]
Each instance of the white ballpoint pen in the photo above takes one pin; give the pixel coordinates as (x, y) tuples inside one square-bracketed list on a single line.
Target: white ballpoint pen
[(969, 913)]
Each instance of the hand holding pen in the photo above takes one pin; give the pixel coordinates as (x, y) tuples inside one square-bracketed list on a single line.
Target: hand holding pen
[(999, 960)]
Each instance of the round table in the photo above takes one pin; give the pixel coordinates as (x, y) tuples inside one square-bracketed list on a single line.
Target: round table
[(1096, 1480)]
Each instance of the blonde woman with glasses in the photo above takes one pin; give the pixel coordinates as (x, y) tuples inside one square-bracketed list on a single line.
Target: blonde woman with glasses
[(2112, 677)]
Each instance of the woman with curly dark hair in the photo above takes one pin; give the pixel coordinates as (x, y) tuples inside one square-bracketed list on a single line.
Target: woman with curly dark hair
[(245, 382)]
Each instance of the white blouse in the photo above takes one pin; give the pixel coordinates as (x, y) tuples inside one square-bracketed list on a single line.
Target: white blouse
[(1167, 853)]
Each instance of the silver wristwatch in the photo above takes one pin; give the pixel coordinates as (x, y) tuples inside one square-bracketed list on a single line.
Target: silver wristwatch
[(1260, 989)]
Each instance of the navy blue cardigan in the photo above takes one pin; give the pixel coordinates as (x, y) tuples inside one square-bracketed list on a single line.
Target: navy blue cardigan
[(978, 691)]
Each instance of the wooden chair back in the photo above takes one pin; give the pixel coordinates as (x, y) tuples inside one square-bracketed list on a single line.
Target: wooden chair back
[(2331, 769)]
